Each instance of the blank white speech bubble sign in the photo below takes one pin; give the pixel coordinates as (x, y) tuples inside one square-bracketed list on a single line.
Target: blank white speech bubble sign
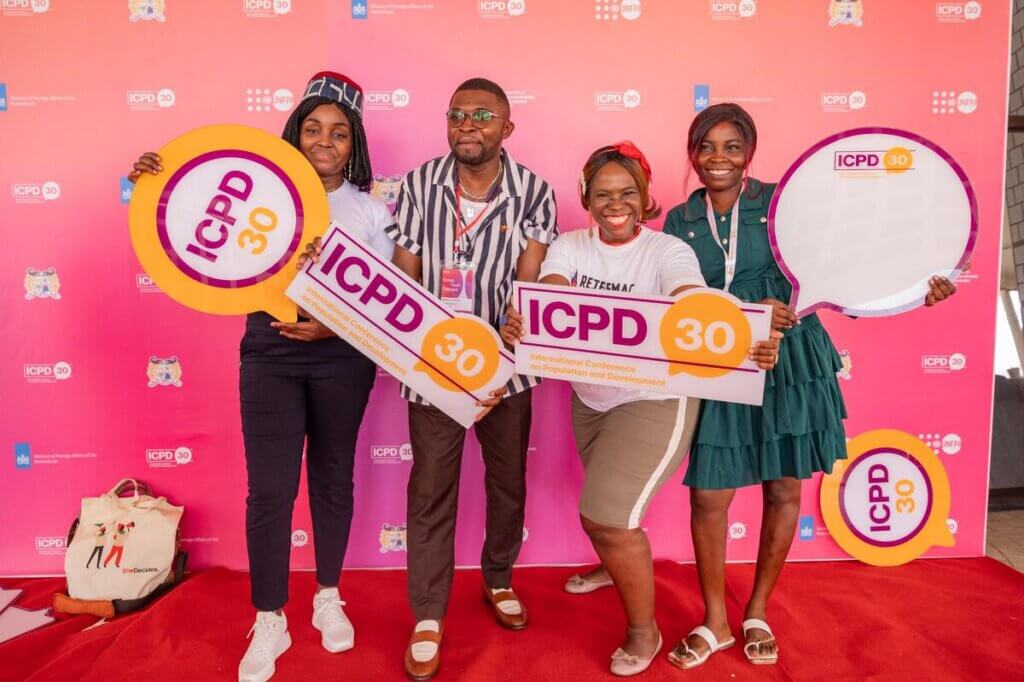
[(865, 217)]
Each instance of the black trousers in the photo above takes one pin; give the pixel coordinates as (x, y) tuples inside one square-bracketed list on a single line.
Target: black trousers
[(285, 402)]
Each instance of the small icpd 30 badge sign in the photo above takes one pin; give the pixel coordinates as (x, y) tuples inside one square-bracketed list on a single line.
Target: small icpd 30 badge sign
[(888, 502)]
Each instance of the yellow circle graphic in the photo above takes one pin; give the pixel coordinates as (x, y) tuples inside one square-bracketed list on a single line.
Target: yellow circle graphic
[(705, 334), (460, 354), (221, 227), (887, 503), (898, 160)]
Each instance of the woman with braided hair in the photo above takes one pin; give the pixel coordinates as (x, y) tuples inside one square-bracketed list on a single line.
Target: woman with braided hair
[(300, 383), (630, 441)]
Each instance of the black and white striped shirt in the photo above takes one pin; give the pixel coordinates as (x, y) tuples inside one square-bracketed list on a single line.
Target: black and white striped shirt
[(426, 224)]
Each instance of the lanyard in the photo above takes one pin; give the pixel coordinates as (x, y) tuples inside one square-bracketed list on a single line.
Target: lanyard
[(730, 253), (461, 228)]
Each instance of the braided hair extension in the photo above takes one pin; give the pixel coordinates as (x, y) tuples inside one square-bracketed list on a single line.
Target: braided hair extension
[(358, 170)]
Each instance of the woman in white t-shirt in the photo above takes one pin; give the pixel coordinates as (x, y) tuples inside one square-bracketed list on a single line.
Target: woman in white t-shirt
[(630, 441), (300, 384)]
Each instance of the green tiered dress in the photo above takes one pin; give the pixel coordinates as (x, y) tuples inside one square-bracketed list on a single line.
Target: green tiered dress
[(799, 428)]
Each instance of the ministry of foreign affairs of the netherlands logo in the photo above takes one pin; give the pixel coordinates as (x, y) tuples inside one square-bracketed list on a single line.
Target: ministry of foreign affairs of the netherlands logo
[(164, 371), (42, 283), (847, 12), (392, 538)]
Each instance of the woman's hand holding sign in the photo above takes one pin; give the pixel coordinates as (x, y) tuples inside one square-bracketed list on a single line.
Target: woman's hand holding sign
[(783, 316), (939, 289)]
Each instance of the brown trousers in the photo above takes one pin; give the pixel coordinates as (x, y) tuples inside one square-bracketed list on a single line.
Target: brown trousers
[(437, 442)]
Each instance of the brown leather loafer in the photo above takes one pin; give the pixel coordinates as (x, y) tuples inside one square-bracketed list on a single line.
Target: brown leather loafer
[(512, 622), (423, 670)]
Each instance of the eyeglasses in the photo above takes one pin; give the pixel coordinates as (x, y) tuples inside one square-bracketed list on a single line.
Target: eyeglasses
[(480, 117)]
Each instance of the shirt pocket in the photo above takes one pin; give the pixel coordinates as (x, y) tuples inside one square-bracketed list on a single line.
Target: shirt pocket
[(754, 225)]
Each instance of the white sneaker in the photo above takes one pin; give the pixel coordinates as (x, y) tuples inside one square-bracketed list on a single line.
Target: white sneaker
[(270, 639), (336, 631)]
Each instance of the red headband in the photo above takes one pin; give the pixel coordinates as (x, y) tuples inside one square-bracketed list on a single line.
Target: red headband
[(631, 151), (627, 149)]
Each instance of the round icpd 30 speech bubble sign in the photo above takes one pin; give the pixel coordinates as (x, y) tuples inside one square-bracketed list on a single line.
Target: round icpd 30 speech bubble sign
[(220, 228), (887, 503), (863, 219)]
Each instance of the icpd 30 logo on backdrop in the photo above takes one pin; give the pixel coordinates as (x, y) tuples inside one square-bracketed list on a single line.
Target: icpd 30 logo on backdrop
[(35, 192), (261, 9), (23, 8), (385, 100), (957, 12), (729, 10), (501, 9)]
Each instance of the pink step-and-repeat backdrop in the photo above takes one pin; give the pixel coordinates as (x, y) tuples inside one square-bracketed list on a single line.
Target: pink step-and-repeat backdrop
[(87, 86)]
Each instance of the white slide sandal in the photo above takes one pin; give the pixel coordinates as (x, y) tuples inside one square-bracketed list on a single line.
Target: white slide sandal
[(681, 652), (752, 649)]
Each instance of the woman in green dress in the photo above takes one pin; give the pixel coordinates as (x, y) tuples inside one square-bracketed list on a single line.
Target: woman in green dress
[(797, 431)]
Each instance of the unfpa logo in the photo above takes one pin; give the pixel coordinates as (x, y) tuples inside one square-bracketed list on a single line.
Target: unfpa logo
[(151, 100), (266, 8), (950, 102), (605, 10), (957, 12), (384, 100), (42, 283), (261, 99), (950, 444), (23, 8), (146, 10), (613, 100), (864, 161), (502, 9), (359, 9), (164, 372), (35, 193), (731, 10)]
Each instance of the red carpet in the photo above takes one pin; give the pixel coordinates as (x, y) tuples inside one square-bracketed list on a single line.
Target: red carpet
[(930, 620)]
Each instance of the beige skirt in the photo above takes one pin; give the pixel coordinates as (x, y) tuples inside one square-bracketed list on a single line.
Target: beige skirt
[(628, 453)]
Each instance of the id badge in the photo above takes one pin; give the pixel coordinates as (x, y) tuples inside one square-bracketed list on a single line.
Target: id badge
[(458, 285)]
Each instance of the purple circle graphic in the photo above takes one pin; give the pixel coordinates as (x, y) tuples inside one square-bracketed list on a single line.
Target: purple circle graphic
[(842, 490), (179, 262)]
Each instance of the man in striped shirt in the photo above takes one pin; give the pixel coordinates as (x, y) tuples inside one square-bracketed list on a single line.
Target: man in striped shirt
[(473, 211)]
